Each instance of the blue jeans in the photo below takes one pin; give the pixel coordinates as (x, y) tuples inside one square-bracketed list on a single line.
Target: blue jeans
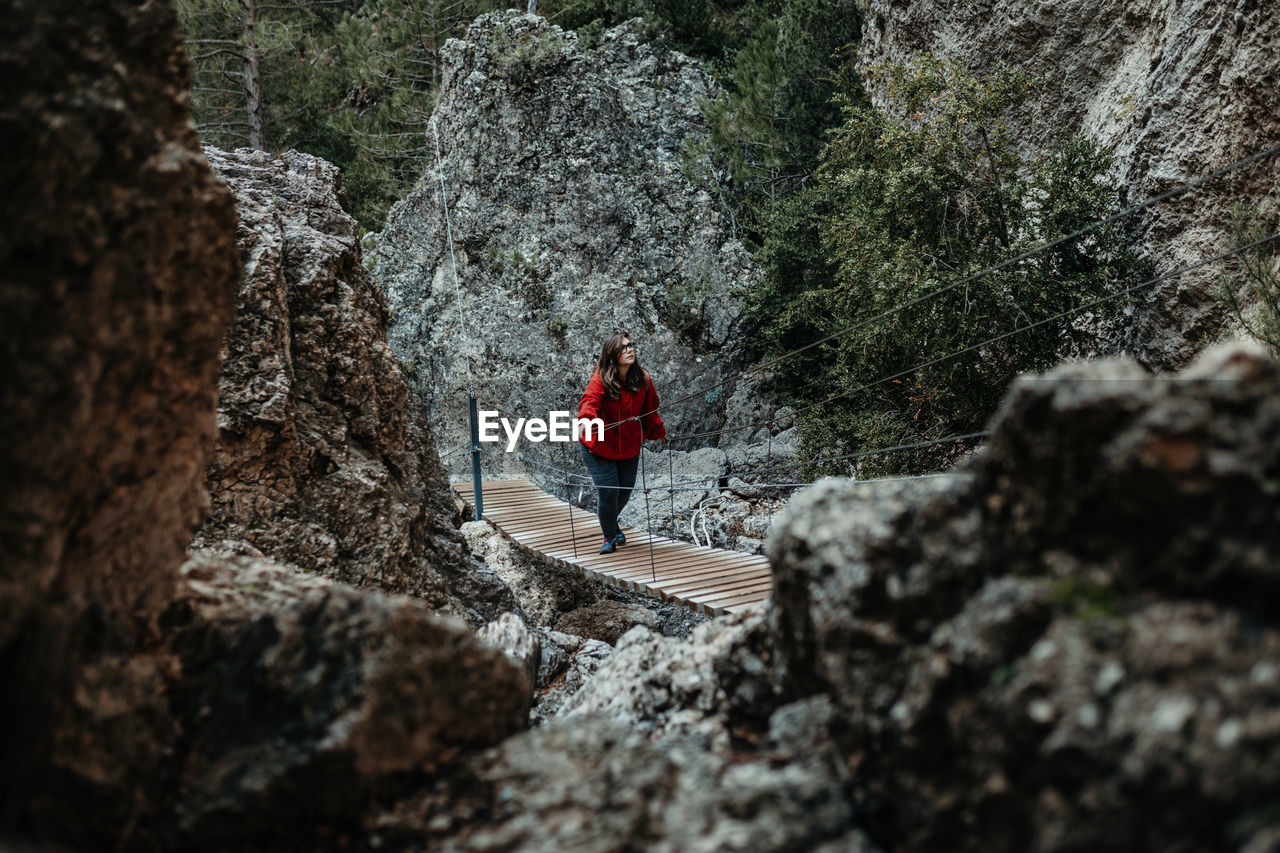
[(614, 479)]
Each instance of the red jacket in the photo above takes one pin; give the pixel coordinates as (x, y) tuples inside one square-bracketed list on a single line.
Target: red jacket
[(624, 440)]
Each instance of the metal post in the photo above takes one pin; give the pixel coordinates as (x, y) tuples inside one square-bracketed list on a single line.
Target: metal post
[(644, 485), (475, 454), (768, 504), (568, 498), (671, 483)]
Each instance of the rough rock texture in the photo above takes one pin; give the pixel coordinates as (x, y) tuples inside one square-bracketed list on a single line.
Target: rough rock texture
[(568, 663), (511, 634), (325, 460), (714, 498), (301, 698), (605, 620), (547, 593), (593, 784), (1072, 645), (117, 270), (717, 685), (572, 220), (1176, 89)]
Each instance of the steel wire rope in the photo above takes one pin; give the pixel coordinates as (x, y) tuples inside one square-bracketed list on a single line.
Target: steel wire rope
[(702, 485), (704, 488), (448, 232), (876, 452), (1115, 217), (1060, 315), (1083, 307), (1077, 309)]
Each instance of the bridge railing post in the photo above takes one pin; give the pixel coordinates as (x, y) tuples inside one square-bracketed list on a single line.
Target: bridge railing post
[(475, 454)]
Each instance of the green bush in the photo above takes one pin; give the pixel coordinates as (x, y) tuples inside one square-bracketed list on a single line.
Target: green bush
[(908, 201), (1251, 284)]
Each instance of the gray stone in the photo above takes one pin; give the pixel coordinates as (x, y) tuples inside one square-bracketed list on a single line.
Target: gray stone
[(708, 687), (510, 634), (1038, 647), (593, 784), (583, 659), (572, 219), (302, 696), (324, 460)]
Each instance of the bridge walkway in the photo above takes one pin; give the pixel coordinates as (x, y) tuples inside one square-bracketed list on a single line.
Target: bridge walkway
[(711, 581)]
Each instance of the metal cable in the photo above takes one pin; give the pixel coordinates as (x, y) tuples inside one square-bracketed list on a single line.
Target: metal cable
[(1061, 315), (448, 231), (1115, 217)]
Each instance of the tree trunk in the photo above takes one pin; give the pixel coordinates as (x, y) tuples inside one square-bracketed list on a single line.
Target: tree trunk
[(252, 76)]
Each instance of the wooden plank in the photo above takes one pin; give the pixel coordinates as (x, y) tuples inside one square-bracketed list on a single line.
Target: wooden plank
[(690, 568), (715, 593), (707, 580), (738, 602), (726, 596)]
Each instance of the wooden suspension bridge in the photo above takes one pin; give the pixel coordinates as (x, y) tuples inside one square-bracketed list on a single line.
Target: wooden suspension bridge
[(712, 581)]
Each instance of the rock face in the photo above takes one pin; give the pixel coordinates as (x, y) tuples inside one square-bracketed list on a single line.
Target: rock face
[(301, 698), (149, 706), (594, 784), (1175, 89), (572, 220), (117, 271), (324, 459), (718, 685), (711, 500), (1070, 646)]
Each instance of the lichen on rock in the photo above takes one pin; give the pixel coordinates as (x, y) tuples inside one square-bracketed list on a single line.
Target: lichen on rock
[(1046, 645)]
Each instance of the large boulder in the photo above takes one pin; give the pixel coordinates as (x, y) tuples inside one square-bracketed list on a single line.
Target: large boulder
[(719, 686), (1070, 645), (301, 699), (117, 271), (1176, 90), (594, 784), (572, 219), (324, 460)]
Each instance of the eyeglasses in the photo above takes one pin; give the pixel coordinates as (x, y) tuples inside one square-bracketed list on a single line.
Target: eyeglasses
[(626, 347)]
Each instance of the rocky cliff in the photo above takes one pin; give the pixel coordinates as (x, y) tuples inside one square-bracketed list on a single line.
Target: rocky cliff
[(151, 704), (1175, 89), (324, 460), (572, 220), (1070, 645), (117, 269)]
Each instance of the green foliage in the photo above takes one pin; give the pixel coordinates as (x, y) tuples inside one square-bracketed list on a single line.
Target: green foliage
[(906, 202), (351, 81), (528, 56), (1251, 284), (1087, 599), (766, 131)]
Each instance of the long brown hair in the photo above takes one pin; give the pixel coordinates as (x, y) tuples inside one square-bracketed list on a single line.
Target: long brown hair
[(607, 367)]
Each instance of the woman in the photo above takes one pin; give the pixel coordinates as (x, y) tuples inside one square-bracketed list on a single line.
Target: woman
[(621, 394)]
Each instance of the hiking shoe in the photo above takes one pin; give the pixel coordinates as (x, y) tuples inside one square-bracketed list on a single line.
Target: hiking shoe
[(608, 547), (620, 539)]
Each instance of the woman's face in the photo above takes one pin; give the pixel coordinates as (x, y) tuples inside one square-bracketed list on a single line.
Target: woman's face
[(627, 357)]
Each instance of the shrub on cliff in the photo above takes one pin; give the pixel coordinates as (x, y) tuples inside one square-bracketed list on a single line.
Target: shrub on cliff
[(907, 201)]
